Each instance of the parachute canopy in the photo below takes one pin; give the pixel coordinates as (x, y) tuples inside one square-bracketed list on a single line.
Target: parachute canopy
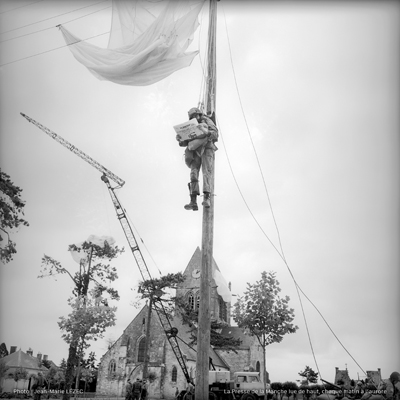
[(81, 256), (148, 41)]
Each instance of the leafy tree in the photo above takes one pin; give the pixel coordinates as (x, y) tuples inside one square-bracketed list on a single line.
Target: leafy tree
[(90, 315), (190, 317), (3, 350), (11, 209), (309, 374), (50, 376), (63, 364), (261, 312), (3, 371), (46, 363), (20, 373), (155, 287)]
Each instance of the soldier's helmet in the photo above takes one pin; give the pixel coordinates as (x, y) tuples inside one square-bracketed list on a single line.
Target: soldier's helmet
[(193, 111)]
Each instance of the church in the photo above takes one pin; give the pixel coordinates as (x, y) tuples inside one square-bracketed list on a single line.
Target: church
[(125, 357)]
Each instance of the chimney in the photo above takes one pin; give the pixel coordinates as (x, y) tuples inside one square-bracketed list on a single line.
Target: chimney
[(30, 352), (13, 349), (45, 357), (39, 356), (230, 286)]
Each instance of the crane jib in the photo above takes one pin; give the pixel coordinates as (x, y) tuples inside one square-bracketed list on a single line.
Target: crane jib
[(75, 150)]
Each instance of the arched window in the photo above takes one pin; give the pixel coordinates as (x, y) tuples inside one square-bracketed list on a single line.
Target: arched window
[(191, 301), (222, 309), (197, 301), (174, 374), (141, 350), (258, 366), (112, 367)]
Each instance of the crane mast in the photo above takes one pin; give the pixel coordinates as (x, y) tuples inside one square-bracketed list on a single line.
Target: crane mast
[(170, 331)]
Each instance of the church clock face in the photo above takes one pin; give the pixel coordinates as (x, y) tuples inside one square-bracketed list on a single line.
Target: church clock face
[(196, 273)]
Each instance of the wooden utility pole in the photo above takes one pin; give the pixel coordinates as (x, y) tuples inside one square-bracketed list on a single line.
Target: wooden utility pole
[(147, 340), (204, 326)]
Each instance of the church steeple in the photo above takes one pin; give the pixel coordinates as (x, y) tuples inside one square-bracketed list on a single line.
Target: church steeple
[(189, 290)]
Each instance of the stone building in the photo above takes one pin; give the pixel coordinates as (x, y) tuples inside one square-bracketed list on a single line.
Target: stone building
[(126, 356), (342, 377)]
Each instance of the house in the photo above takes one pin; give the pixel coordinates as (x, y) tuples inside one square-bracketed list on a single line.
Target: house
[(27, 362), (374, 377), (342, 377), (125, 357)]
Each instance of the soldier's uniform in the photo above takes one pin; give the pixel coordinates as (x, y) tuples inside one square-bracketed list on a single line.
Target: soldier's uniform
[(199, 153)]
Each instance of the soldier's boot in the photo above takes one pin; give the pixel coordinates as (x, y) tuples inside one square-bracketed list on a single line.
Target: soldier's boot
[(193, 203), (207, 200)]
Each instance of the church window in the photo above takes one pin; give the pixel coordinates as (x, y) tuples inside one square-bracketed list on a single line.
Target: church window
[(112, 367), (141, 350), (258, 366), (197, 300), (191, 301), (174, 374), (222, 309)]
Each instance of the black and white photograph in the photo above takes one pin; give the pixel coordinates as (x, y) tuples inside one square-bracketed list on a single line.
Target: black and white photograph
[(200, 199)]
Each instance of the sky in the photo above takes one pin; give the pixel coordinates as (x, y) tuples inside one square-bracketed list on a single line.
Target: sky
[(307, 110)]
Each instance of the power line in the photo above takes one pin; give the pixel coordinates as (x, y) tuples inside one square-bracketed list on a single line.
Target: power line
[(51, 27), (48, 51), (46, 19), (16, 8)]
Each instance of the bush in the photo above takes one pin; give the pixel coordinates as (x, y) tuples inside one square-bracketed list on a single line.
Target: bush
[(276, 386), (290, 386)]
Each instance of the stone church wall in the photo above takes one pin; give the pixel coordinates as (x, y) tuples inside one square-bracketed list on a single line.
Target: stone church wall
[(124, 353)]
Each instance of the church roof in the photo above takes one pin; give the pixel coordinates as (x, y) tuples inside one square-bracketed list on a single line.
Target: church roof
[(238, 333), (21, 359)]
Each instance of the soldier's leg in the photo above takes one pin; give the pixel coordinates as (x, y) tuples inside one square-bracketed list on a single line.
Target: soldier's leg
[(207, 169), (194, 183)]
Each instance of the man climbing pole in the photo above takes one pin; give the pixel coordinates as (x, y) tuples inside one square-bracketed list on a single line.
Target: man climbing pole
[(199, 153)]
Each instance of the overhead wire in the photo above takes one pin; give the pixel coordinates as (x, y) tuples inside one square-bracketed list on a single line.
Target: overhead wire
[(16, 8), (60, 47), (280, 253), (46, 19), (52, 27), (48, 51)]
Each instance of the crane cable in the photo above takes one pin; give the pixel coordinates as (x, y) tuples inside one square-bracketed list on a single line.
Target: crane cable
[(280, 253)]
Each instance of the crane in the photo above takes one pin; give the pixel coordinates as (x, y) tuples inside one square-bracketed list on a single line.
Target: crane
[(170, 331)]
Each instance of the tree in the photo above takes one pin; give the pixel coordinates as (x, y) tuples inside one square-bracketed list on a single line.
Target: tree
[(18, 374), (3, 371), (261, 312), (155, 287), (3, 350), (90, 315), (190, 317), (309, 374), (11, 209)]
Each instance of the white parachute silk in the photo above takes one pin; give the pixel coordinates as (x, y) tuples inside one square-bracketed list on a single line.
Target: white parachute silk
[(82, 256), (148, 41)]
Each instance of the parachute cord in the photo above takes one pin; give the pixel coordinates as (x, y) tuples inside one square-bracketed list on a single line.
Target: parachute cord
[(202, 63)]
